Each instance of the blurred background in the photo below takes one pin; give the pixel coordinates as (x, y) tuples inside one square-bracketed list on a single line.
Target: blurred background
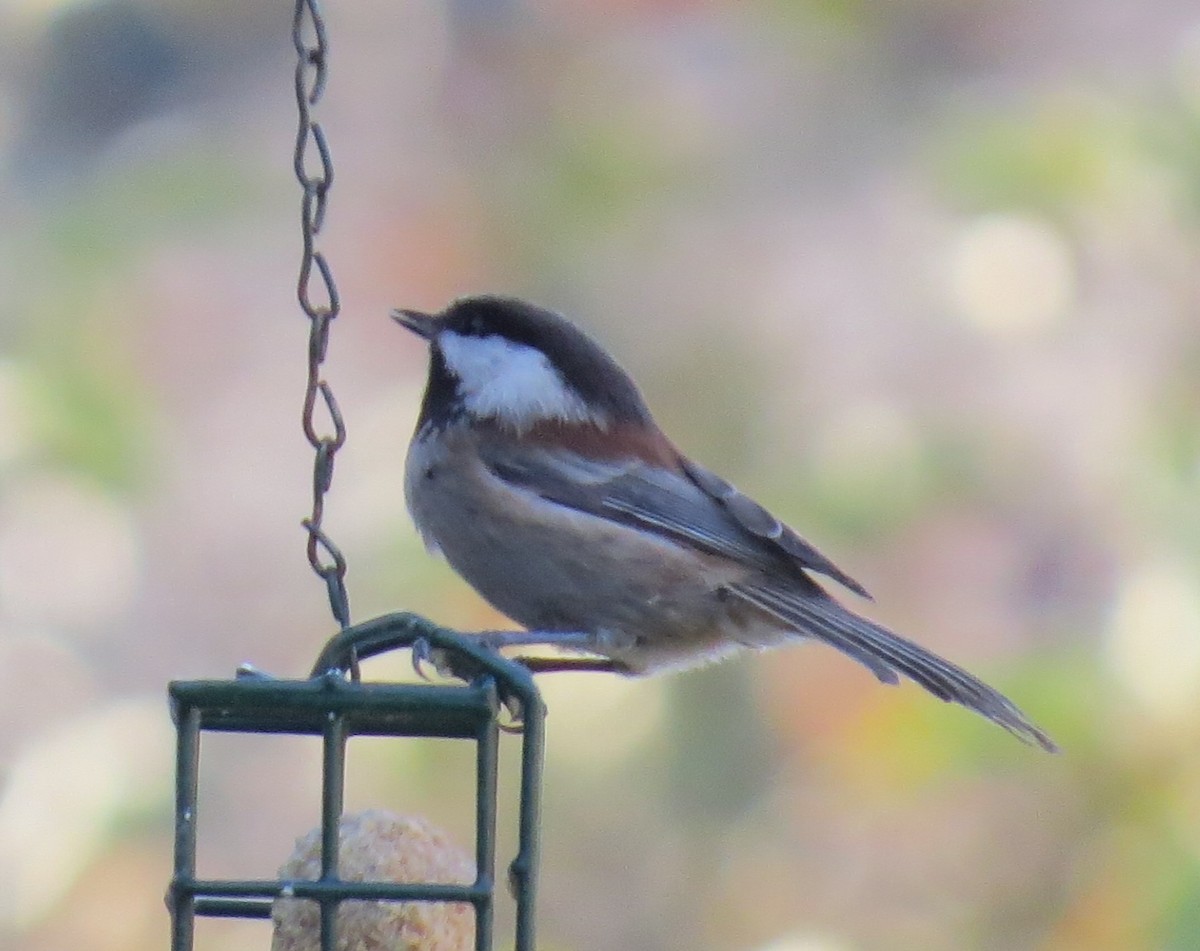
[(921, 276)]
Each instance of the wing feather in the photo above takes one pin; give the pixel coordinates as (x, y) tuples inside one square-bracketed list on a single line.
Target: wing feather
[(635, 493), (690, 505), (758, 521)]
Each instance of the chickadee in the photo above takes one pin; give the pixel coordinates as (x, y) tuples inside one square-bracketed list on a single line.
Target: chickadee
[(539, 473)]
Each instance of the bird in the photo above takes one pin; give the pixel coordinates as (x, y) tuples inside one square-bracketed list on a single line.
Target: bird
[(537, 470)]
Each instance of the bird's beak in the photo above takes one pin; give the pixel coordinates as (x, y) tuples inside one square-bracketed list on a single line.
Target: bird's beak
[(423, 325)]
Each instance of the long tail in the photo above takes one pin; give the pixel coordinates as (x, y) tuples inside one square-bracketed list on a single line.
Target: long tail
[(886, 654)]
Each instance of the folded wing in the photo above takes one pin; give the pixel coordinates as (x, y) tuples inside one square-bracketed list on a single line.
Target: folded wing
[(689, 505)]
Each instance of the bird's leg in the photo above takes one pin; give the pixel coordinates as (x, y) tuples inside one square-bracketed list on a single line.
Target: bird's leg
[(572, 640), (556, 665), (447, 664)]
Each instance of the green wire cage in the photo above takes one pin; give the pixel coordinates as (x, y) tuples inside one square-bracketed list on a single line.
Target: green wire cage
[(337, 709)]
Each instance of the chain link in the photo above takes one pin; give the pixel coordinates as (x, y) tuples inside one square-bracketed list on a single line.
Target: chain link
[(318, 296)]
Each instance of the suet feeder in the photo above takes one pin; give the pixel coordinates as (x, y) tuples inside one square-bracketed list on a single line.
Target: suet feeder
[(334, 703)]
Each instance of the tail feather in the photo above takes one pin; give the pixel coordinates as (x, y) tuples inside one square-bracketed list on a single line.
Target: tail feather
[(885, 654)]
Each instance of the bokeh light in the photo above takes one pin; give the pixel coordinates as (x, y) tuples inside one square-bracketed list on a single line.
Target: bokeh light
[(1154, 640), (51, 829), (1011, 276)]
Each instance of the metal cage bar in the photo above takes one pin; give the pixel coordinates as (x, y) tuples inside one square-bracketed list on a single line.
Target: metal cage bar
[(330, 706)]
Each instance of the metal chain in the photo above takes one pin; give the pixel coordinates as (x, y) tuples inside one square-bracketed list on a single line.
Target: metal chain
[(316, 278)]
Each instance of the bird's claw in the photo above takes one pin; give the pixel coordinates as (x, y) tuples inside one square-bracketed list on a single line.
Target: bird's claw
[(516, 712), (446, 664), (430, 663), (425, 655)]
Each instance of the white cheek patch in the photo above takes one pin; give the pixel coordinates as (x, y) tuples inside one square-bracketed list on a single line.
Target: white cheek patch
[(510, 382)]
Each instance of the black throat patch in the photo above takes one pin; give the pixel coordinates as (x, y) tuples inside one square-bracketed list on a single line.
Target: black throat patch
[(443, 403)]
